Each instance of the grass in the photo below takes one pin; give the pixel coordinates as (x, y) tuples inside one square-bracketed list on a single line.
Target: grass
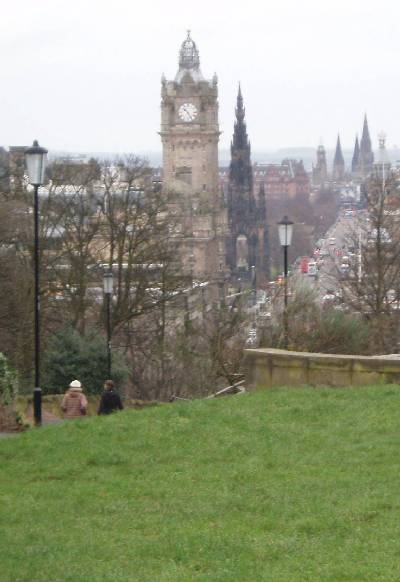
[(281, 485)]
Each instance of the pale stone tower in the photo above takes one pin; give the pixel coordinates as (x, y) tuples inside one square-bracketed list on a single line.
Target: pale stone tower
[(320, 170), (190, 135)]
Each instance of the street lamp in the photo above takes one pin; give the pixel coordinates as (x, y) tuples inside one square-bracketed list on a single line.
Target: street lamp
[(36, 160), (285, 227), (108, 285), (253, 285)]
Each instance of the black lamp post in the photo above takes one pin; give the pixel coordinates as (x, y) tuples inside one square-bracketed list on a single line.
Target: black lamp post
[(108, 284), (36, 160), (285, 227)]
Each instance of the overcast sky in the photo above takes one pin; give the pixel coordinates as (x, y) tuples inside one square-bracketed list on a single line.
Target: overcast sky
[(85, 75)]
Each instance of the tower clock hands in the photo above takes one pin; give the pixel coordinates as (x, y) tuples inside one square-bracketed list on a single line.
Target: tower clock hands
[(187, 112)]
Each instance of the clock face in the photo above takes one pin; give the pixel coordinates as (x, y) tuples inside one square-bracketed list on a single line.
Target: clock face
[(187, 112)]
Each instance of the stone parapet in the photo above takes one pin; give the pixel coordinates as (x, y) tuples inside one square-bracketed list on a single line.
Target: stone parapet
[(265, 368)]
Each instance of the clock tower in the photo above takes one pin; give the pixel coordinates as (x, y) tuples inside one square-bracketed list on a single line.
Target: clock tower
[(190, 135)]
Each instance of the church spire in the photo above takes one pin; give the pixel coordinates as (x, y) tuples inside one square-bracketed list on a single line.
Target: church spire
[(338, 162), (366, 153), (365, 138), (355, 162), (338, 153)]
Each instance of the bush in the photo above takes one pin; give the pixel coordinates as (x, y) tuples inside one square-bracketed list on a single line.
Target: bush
[(339, 333), (72, 356), (8, 382), (314, 329)]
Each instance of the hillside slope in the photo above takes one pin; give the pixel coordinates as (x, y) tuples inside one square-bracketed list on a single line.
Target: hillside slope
[(284, 485)]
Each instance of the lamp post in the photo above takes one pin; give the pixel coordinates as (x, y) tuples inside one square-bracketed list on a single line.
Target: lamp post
[(253, 285), (108, 285), (285, 227), (36, 160)]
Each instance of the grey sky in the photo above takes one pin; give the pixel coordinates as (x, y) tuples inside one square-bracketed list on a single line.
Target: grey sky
[(85, 75)]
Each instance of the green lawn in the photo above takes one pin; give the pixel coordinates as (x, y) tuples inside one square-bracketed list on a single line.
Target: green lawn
[(281, 485)]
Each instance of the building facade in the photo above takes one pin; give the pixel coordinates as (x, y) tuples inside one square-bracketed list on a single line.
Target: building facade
[(320, 170), (282, 181), (190, 135)]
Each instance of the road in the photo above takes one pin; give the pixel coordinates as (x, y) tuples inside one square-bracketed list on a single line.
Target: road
[(331, 250)]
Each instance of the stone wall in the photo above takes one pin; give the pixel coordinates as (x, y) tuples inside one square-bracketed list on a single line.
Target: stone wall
[(265, 368)]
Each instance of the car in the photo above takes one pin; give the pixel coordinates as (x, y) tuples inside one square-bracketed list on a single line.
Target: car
[(329, 297), (332, 240)]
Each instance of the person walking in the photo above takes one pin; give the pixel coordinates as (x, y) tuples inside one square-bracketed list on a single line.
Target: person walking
[(110, 399), (74, 404)]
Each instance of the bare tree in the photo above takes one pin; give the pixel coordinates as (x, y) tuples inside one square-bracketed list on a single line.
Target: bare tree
[(371, 284), (70, 213)]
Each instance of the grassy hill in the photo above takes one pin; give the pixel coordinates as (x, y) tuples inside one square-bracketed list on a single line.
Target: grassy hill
[(284, 485)]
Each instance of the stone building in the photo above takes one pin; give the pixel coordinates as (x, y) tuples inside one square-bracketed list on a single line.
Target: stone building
[(190, 135), (247, 239), (382, 165), (282, 181), (320, 170)]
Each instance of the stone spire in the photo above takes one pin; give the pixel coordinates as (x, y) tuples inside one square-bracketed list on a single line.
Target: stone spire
[(247, 240), (338, 162), (355, 162), (189, 60), (240, 170), (366, 154)]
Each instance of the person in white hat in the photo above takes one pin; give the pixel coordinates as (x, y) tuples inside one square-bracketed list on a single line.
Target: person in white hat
[(74, 404)]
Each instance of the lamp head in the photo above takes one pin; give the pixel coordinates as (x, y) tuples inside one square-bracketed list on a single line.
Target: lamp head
[(285, 227), (36, 161), (108, 283)]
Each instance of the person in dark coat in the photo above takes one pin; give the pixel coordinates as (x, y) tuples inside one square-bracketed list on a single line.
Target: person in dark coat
[(110, 399)]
